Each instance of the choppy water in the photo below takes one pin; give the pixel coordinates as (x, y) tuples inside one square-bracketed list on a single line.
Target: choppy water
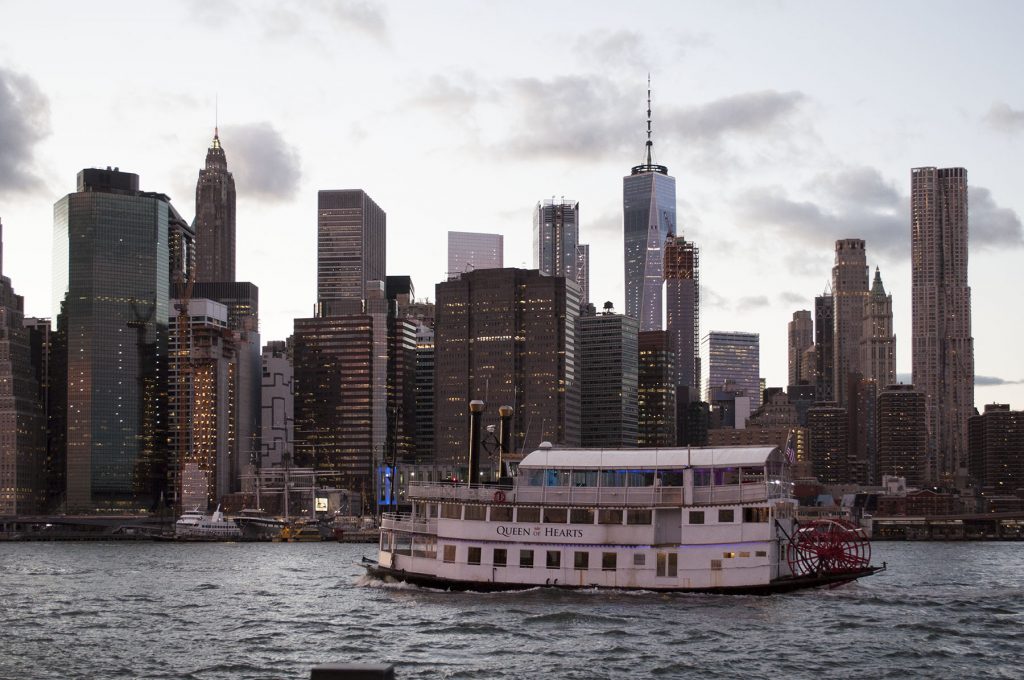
[(248, 611)]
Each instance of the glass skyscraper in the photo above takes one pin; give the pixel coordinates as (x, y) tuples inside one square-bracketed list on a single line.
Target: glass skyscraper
[(111, 287), (731, 360), (648, 217)]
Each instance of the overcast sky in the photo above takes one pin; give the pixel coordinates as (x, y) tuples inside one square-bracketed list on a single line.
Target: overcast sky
[(787, 125)]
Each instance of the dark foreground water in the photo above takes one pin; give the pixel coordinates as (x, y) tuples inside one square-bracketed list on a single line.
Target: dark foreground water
[(245, 611)]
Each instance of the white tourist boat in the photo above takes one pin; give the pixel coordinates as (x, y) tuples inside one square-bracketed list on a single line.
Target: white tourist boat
[(680, 519), (194, 525)]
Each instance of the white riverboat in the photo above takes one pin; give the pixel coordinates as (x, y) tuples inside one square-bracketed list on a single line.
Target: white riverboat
[(195, 526), (680, 519)]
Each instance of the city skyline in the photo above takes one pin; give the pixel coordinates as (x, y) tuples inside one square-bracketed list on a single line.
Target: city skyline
[(775, 159)]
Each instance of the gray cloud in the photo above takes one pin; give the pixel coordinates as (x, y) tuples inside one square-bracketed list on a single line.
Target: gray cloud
[(745, 113), (751, 302), (992, 226), (617, 49), (989, 380), (24, 122), (859, 202), (361, 15), (790, 298), (263, 162), (1004, 118), (450, 96), (886, 232)]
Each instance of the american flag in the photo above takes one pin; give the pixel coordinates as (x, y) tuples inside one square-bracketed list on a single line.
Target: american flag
[(790, 448)]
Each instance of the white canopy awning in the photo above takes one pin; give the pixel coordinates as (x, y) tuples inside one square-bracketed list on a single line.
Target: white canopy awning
[(648, 459)]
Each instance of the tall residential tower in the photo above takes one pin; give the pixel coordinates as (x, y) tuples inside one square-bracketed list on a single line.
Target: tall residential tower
[(943, 349)]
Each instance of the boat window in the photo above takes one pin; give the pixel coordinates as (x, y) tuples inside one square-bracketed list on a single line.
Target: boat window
[(761, 553), (473, 556), (671, 477), (431, 510), (609, 516), (449, 511), (554, 559), (726, 515), (501, 513), (531, 477), (557, 477), (526, 559), (702, 476), (641, 477), (696, 517), (608, 561), (385, 540), (584, 478), (476, 513), (425, 546), (403, 543), (639, 559), (500, 557), (729, 555), (716, 565), (528, 515), (581, 516), (613, 478), (581, 560), (755, 515), (638, 516), (555, 515), (662, 564), (727, 476), (744, 554), (449, 553), (752, 475), (673, 565)]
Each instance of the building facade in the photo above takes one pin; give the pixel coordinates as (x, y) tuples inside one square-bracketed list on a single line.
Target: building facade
[(801, 339), (277, 424), (556, 235), (468, 251), (656, 394), (682, 309), (824, 345), (22, 414), (350, 252), (827, 442), (849, 293), (111, 284), (943, 349), (506, 337), (997, 450), (215, 217), (902, 434), (878, 342), (608, 352), (731, 358)]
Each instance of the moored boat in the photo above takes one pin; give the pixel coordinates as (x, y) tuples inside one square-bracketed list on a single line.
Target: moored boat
[(195, 526), (680, 519)]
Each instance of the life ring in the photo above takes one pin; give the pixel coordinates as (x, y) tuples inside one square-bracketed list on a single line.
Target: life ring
[(499, 496)]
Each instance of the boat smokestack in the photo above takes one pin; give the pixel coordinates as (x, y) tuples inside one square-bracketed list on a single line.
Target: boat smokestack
[(504, 435), (476, 413)]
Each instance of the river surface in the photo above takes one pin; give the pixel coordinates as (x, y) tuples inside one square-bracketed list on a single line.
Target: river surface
[(249, 611)]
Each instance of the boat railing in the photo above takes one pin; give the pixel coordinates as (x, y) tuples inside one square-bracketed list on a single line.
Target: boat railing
[(592, 495), (402, 521)]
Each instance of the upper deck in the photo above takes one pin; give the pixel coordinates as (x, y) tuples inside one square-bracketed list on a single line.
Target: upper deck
[(632, 477)]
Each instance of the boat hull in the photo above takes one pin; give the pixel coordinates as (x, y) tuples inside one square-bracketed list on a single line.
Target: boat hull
[(782, 585)]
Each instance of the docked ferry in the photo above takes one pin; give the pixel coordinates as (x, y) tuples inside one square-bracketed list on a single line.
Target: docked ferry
[(679, 519)]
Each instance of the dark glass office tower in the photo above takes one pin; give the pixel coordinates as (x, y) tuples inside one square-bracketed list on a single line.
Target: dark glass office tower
[(215, 217), (649, 216), (111, 283), (22, 419), (350, 251)]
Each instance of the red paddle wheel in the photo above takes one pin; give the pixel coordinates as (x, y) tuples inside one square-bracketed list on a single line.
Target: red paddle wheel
[(828, 546)]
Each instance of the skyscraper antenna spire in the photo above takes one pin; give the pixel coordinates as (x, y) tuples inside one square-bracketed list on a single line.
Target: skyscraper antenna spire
[(216, 116), (649, 142)]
